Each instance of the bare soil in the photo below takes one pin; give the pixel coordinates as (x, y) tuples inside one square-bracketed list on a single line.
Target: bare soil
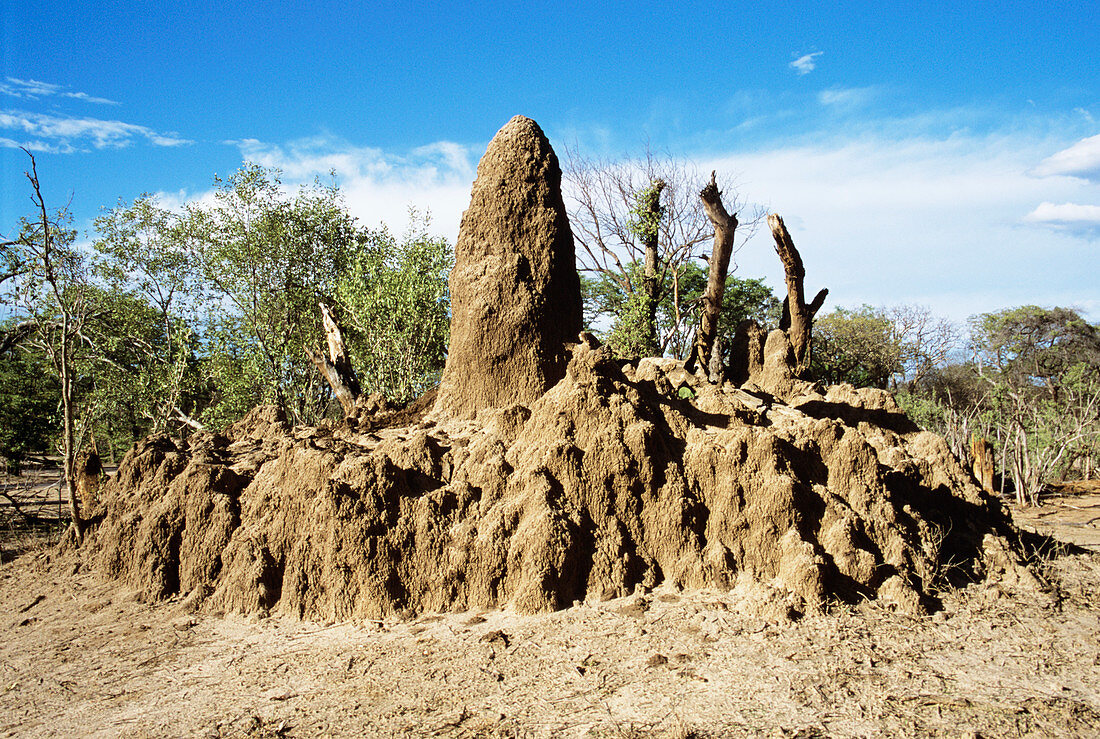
[(81, 656)]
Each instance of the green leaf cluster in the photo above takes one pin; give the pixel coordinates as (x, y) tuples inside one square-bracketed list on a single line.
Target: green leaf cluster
[(855, 346), (646, 213), (29, 416), (617, 314), (395, 299)]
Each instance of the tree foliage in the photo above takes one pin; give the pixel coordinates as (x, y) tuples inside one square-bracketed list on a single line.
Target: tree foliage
[(394, 296), (855, 346), (264, 261), (607, 303), (181, 318), (1041, 368), (29, 420), (1031, 387)]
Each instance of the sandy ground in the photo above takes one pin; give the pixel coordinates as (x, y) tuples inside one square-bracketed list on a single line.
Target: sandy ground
[(1072, 518), (82, 657)]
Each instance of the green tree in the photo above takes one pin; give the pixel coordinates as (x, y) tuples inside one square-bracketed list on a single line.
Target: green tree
[(265, 261), (29, 395), (395, 299), (855, 346), (142, 374), (1033, 346), (1042, 370), (606, 302), (150, 376)]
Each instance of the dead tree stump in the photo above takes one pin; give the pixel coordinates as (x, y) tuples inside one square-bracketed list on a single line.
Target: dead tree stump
[(981, 452), (798, 316)]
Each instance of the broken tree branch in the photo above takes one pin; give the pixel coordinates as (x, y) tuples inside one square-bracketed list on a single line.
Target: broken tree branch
[(724, 227), (336, 368), (797, 315)]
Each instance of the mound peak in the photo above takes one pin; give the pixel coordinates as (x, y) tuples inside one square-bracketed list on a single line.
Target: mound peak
[(515, 294)]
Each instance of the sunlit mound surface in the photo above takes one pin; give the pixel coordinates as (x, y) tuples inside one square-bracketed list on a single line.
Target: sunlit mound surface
[(546, 472), (621, 475)]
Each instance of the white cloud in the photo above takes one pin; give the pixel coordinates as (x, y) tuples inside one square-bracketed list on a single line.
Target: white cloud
[(33, 90), (1083, 220), (1080, 160), (40, 147), (805, 63), (379, 187), (940, 221), (63, 134)]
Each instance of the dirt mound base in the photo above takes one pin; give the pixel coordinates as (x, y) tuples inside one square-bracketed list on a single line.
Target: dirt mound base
[(615, 478)]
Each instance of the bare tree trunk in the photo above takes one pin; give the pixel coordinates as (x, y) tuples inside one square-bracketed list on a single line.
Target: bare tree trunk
[(724, 227), (797, 315), (63, 359), (69, 437), (336, 368)]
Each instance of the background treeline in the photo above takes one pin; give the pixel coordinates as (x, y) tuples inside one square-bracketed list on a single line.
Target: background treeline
[(179, 319), (1026, 379), (175, 319)]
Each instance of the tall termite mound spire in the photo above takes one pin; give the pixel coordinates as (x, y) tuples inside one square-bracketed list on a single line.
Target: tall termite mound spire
[(515, 294)]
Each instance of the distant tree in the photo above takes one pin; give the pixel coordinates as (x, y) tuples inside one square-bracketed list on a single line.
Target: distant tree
[(953, 401), (1033, 346), (745, 298), (637, 224), (927, 341), (855, 346), (1042, 369), (29, 396)]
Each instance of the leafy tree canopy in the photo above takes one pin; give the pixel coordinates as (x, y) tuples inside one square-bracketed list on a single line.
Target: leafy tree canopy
[(607, 301)]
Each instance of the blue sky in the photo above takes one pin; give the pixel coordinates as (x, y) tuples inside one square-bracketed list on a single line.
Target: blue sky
[(943, 154)]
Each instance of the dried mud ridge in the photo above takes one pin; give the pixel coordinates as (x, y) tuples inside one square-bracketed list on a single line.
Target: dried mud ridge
[(611, 480)]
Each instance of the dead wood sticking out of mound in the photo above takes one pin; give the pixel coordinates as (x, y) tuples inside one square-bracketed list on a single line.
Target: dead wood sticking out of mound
[(610, 481)]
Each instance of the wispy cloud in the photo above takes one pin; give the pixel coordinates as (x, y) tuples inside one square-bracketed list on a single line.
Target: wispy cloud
[(38, 147), (806, 63), (379, 187), (845, 97), (65, 135), (1080, 160), (35, 90)]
